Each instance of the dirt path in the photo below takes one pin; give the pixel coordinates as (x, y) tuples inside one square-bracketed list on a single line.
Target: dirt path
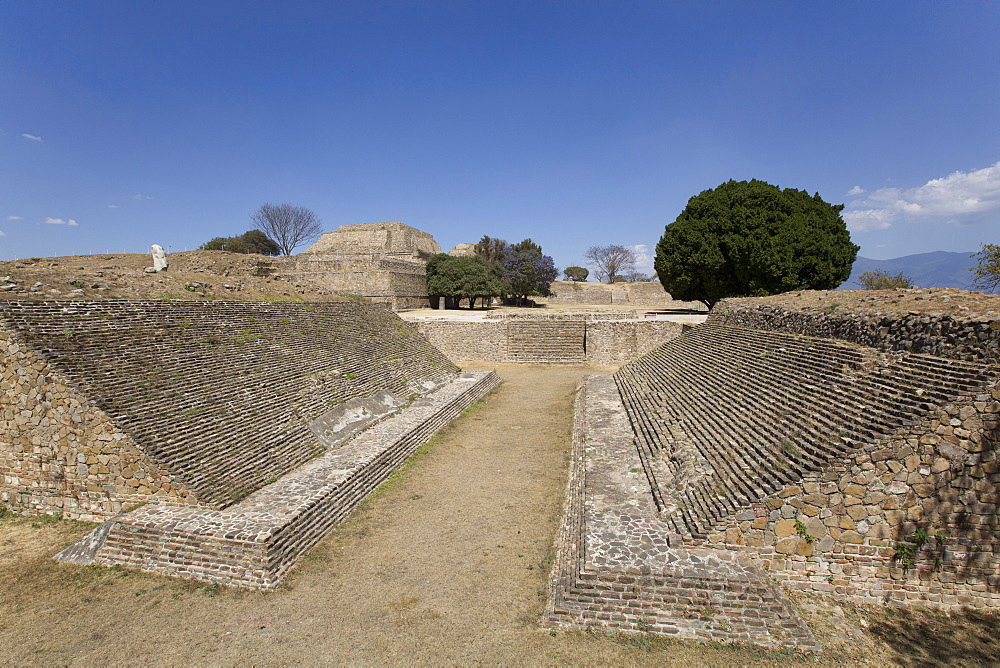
[(447, 564)]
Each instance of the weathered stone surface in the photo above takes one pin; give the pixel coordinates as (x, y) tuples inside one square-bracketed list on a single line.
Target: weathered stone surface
[(159, 258), (197, 402)]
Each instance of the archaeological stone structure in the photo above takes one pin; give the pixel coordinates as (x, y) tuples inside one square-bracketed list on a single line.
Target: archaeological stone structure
[(722, 470), (845, 454), (642, 293), (216, 440), (385, 262), (609, 338)]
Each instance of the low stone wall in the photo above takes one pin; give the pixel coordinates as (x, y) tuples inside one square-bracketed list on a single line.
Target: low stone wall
[(604, 342), (254, 543), (485, 340), (930, 333), (616, 343)]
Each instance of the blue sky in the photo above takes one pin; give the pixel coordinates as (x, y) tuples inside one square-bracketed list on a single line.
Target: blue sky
[(125, 124)]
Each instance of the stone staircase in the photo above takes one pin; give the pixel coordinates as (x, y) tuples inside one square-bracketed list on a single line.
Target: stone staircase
[(725, 416), (548, 342)]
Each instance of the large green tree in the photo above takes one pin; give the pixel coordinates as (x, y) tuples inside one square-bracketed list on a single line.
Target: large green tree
[(750, 238), (458, 278)]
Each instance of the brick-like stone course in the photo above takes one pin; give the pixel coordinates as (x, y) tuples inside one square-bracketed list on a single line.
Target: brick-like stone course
[(109, 403)]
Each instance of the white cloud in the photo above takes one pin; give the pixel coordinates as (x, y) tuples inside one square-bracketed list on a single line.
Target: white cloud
[(643, 258), (31, 137), (961, 198), (2, 233), (60, 221), (856, 190), (866, 220), (113, 206), (141, 197), (14, 218)]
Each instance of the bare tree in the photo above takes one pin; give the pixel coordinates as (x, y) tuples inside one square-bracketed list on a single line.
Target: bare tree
[(610, 261), (289, 226)]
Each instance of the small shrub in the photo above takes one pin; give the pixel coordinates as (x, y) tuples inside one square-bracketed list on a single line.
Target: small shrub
[(882, 280), (802, 530)]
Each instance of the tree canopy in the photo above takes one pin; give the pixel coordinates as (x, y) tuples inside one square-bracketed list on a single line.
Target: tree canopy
[(251, 241), (987, 269), (290, 226), (458, 278), (527, 272), (514, 271), (750, 238), (611, 261), (576, 273)]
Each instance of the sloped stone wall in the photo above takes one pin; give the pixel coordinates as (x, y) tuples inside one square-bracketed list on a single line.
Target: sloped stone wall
[(616, 566), (255, 542), (61, 454), (216, 397), (868, 472), (849, 530)]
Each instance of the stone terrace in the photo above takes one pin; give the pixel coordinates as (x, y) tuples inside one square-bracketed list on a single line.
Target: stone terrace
[(216, 399)]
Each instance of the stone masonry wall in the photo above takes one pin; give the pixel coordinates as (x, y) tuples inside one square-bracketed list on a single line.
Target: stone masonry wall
[(61, 454), (218, 397), (914, 519), (911, 518), (616, 343), (609, 343), (934, 334)]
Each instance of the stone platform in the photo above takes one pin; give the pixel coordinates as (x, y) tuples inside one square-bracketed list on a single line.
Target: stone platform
[(253, 543)]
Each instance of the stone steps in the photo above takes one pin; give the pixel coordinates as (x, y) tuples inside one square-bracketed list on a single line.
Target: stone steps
[(552, 342)]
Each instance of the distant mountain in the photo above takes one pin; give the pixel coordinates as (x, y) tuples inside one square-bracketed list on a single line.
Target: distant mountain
[(939, 269)]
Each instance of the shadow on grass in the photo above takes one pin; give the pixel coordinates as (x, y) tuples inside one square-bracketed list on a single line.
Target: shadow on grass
[(923, 637)]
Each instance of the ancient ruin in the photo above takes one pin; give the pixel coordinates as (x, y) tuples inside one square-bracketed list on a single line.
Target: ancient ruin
[(852, 455), (847, 452), (219, 440), (529, 337), (384, 262)]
